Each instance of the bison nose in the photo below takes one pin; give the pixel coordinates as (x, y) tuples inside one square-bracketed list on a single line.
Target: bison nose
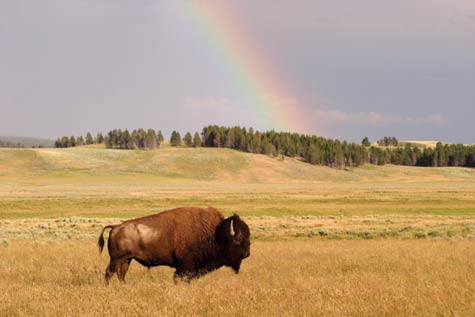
[(248, 254)]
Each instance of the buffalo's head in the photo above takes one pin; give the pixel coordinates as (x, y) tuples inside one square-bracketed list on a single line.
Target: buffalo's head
[(234, 236)]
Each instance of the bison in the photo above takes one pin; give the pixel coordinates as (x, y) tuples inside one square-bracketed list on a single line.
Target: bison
[(194, 241)]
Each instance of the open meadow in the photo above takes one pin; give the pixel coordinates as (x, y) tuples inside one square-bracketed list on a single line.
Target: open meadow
[(374, 240), (298, 278)]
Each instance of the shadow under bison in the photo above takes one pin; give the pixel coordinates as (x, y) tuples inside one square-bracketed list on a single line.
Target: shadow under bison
[(195, 241)]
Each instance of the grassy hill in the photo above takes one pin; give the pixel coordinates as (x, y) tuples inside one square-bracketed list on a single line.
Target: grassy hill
[(92, 181), (198, 164)]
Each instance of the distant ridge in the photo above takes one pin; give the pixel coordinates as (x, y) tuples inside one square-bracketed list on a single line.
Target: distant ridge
[(28, 142), (431, 144)]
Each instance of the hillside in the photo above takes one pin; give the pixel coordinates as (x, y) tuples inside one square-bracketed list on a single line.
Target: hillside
[(201, 164), (92, 181)]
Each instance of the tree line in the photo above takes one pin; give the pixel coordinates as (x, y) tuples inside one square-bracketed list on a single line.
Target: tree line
[(71, 141), (188, 140), (388, 141), (116, 139), (308, 148), (137, 139), (412, 155), (335, 153), (8, 144)]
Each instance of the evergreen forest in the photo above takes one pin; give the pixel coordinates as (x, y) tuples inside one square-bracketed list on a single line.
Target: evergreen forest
[(311, 149)]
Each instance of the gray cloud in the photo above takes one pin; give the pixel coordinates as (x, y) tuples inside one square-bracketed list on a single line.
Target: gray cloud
[(123, 2), (470, 16), (374, 118), (208, 103), (67, 67)]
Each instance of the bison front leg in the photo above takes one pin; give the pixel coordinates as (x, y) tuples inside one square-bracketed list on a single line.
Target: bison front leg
[(179, 276), (185, 276), (186, 270)]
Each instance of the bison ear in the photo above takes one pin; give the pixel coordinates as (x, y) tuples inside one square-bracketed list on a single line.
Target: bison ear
[(223, 234), (240, 228)]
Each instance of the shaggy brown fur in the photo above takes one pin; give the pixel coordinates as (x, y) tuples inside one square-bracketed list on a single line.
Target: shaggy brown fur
[(195, 241)]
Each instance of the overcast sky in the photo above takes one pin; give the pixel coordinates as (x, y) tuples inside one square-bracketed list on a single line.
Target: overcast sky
[(403, 68)]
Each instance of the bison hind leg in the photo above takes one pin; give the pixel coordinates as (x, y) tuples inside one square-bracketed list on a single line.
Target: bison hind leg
[(110, 270), (122, 270)]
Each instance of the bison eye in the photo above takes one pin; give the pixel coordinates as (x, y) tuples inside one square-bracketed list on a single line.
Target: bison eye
[(239, 244)]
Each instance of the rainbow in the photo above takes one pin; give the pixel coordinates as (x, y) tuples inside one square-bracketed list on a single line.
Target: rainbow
[(258, 84)]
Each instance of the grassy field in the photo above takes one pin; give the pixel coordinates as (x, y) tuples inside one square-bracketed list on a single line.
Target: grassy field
[(374, 240), (294, 278), (88, 182)]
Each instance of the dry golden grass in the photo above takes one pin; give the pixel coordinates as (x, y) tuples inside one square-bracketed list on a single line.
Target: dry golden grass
[(293, 278), (266, 228)]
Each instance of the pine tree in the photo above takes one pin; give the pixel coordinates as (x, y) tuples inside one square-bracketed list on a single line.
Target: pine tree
[(257, 142), (57, 143), (175, 139), (119, 141), (65, 141), (160, 138), (150, 139), (230, 139), (126, 140), (79, 141), (108, 140), (312, 155), (365, 142), (99, 138), (133, 142), (217, 140), (89, 139), (339, 160), (140, 138), (188, 140), (196, 140), (442, 159)]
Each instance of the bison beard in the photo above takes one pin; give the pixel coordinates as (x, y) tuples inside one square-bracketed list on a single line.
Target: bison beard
[(195, 241)]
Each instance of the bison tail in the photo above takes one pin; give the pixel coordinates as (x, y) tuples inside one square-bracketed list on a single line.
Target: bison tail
[(100, 242)]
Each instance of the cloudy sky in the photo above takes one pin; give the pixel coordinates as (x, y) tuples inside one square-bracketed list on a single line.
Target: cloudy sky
[(346, 69)]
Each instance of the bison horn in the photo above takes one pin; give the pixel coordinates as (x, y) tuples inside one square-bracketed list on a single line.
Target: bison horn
[(231, 230)]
